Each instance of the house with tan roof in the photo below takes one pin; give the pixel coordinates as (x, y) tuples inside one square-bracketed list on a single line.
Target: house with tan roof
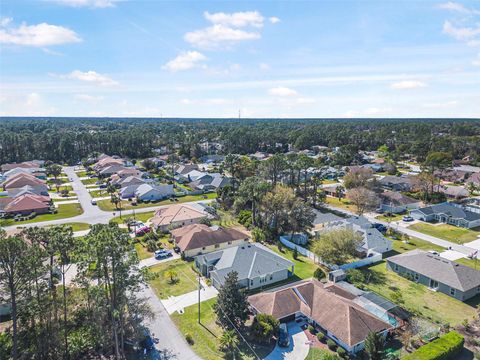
[(178, 215), (198, 239), (328, 308), (25, 204), (20, 180)]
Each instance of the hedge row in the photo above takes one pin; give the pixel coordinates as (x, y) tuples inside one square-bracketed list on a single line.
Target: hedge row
[(443, 348)]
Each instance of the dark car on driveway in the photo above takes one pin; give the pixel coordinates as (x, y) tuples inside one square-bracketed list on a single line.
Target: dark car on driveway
[(380, 227), (283, 336)]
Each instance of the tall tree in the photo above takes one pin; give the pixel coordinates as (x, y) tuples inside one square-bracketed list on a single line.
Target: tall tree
[(363, 199), (337, 246), (374, 346), (13, 277), (231, 307)]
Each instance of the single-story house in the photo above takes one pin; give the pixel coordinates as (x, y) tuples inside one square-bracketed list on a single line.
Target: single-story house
[(255, 264), (208, 182), (25, 165), (452, 175), (37, 172), (474, 178), (198, 239), (396, 183), (448, 213), (25, 204), (179, 215), (20, 180), (373, 240), (185, 169), (454, 192), (331, 190), (148, 192), (110, 170), (328, 308), (397, 203), (439, 274)]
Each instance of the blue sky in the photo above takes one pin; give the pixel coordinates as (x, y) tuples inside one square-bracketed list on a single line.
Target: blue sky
[(263, 58)]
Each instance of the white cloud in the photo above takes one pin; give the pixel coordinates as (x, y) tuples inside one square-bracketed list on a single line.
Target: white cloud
[(476, 62), (218, 36), (39, 35), (408, 84), (264, 66), (184, 61), (88, 98), (460, 33), (91, 77), (454, 6), (87, 3), (31, 104), (441, 105), (282, 91), (274, 19), (237, 19)]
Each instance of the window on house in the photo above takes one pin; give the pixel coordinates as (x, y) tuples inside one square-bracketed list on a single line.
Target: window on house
[(416, 277), (229, 243), (203, 248), (452, 291), (251, 282), (217, 246), (395, 267)]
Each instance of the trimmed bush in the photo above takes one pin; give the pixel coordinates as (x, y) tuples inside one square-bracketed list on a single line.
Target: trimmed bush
[(189, 339), (331, 344), (321, 336), (341, 352), (319, 274), (446, 347), (311, 329)]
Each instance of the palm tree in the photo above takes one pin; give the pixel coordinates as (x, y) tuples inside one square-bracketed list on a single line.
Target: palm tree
[(374, 344), (229, 341), (171, 275)]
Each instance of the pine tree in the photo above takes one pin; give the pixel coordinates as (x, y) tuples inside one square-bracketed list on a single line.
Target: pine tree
[(231, 307)]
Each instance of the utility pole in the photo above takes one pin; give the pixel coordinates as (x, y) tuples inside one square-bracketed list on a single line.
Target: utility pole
[(199, 287)]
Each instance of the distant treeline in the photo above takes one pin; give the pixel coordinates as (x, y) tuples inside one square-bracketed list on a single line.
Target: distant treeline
[(69, 140)]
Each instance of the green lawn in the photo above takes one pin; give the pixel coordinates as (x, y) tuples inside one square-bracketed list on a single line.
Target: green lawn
[(447, 232), (206, 335), (63, 199), (304, 267), (144, 217), (64, 211), (329, 182), (98, 193), (82, 173), (394, 217), (89, 181), (417, 298), (186, 279), (52, 181), (342, 203), (320, 354), (106, 204), (414, 243), (142, 251), (76, 226)]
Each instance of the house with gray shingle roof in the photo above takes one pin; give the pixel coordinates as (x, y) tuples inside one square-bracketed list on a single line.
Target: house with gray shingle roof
[(448, 213), (397, 203), (256, 266), (439, 274)]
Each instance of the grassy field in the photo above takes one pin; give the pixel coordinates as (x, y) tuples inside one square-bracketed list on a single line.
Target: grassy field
[(417, 298), (186, 279), (206, 335), (98, 193), (60, 200), (447, 232), (329, 182), (141, 247), (64, 211), (106, 205), (82, 173), (342, 204), (414, 243), (394, 217), (76, 226), (89, 181), (304, 267), (144, 217), (142, 251), (321, 354)]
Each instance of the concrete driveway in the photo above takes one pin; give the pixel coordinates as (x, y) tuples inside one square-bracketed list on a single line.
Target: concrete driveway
[(298, 349)]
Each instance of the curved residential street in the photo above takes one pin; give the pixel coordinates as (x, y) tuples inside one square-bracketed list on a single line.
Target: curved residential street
[(91, 213)]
